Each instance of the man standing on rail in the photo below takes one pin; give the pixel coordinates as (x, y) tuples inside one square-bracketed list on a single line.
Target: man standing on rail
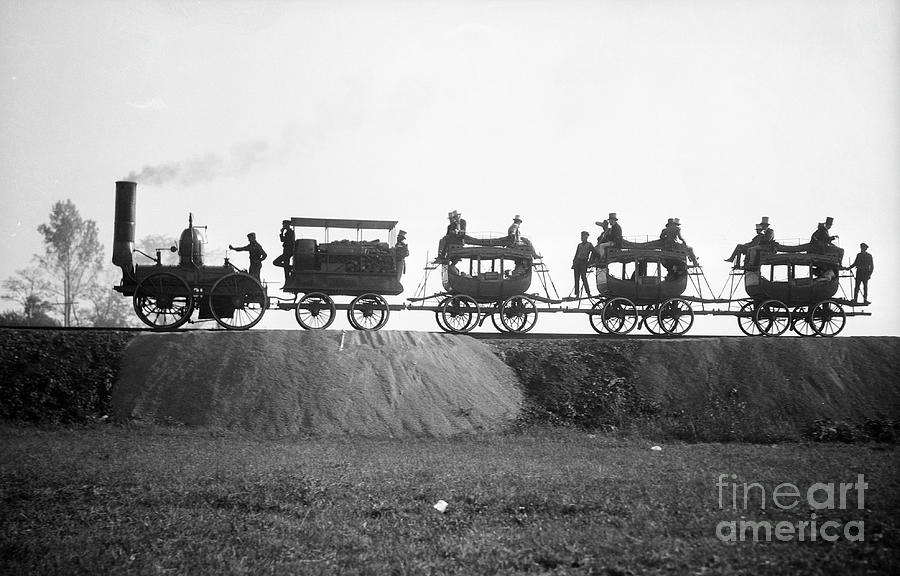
[(864, 267), (286, 235), (257, 254), (583, 254)]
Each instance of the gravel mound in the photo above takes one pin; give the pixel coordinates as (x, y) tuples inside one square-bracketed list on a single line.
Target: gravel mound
[(383, 384)]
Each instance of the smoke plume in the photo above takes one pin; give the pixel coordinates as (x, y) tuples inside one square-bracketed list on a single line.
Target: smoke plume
[(239, 160)]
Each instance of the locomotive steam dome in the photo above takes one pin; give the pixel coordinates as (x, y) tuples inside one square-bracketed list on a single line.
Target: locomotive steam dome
[(190, 246)]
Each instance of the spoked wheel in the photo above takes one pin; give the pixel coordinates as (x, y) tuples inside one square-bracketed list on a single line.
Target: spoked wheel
[(315, 311), (675, 317), (498, 324), (828, 318), (745, 319), (772, 318), (237, 301), (650, 319), (439, 317), (595, 316), (460, 313), (518, 314), (163, 301), (619, 316), (800, 322), (368, 312)]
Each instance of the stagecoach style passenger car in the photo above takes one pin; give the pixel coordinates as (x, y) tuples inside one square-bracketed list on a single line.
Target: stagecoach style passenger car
[(489, 280), (796, 291), (642, 287)]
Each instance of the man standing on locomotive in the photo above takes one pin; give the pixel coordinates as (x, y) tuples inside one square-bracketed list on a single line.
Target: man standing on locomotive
[(583, 254), (286, 235), (257, 254)]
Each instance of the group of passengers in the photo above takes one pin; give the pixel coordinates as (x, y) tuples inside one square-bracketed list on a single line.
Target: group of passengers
[(589, 255), (456, 235), (820, 242)]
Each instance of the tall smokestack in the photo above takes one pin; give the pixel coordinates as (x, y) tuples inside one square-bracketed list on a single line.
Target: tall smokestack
[(123, 236)]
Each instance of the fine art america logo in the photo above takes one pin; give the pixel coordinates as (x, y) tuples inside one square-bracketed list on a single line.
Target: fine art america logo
[(743, 497)]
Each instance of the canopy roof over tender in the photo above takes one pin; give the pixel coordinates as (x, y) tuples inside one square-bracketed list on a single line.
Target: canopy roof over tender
[(347, 223)]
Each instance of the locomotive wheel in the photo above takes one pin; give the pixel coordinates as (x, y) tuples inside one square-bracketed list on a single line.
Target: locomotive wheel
[(368, 312), (460, 313), (163, 301), (800, 322), (745, 319), (675, 317), (619, 316), (595, 316), (828, 318), (772, 318), (315, 311), (237, 301), (518, 314), (650, 318)]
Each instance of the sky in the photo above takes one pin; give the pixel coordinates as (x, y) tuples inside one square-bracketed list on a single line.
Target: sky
[(245, 113)]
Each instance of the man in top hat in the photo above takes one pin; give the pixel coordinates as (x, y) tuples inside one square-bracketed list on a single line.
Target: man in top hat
[(286, 235), (666, 234), (864, 267), (257, 254), (401, 251), (821, 239), (513, 232), (765, 237), (611, 237), (674, 238), (583, 253), (456, 230)]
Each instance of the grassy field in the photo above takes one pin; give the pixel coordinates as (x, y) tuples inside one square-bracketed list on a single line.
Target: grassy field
[(112, 499)]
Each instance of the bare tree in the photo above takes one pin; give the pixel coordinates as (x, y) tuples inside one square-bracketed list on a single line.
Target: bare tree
[(72, 257)]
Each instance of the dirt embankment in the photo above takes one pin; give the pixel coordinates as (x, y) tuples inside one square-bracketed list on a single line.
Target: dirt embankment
[(410, 384), (389, 384), (757, 389)]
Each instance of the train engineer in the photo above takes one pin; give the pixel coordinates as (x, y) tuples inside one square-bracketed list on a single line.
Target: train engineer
[(257, 254)]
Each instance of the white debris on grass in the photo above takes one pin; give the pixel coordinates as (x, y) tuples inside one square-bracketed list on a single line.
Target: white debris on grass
[(441, 506), (656, 448)]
